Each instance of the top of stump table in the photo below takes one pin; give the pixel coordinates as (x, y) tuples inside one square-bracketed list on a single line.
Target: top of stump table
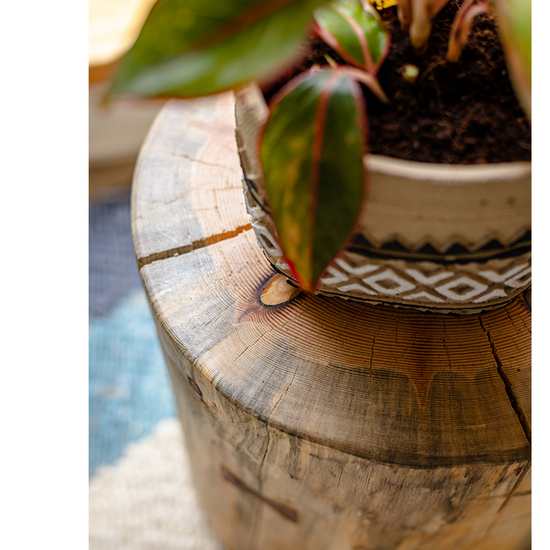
[(395, 386)]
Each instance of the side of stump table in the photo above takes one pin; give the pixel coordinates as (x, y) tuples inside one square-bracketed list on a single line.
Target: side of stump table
[(318, 423)]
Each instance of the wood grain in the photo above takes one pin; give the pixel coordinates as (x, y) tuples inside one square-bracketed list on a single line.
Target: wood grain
[(319, 423), (190, 191), (288, 492), (391, 385)]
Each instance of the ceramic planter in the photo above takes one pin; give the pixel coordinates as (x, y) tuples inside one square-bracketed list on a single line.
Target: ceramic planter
[(434, 237)]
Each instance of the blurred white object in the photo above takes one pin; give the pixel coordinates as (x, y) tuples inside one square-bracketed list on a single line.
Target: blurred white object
[(116, 131), (147, 499), (114, 26)]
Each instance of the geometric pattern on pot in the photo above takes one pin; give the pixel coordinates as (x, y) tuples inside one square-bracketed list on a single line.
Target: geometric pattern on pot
[(448, 287), (460, 284)]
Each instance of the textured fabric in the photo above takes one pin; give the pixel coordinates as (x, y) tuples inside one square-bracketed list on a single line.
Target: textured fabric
[(147, 501), (129, 386), (141, 494), (112, 267)]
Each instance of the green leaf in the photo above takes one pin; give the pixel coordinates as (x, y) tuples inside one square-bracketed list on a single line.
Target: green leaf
[(198, 47), (354, 30), (312, 157), (514, 24)]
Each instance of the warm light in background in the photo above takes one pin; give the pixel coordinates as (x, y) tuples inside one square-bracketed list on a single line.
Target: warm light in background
[(117, 131), (114, 25)]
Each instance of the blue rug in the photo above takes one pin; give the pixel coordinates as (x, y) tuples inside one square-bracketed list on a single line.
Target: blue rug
[(129, 387), (141, 494)]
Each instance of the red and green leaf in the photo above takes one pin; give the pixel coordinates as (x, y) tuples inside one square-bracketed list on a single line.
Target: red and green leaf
[(312, 157), (354, 30), (199, 47)]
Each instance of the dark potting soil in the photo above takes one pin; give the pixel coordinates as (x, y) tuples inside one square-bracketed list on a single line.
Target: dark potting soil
[(456, 113)]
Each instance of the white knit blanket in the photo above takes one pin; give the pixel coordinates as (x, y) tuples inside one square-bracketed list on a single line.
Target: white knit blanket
[(146, 501)]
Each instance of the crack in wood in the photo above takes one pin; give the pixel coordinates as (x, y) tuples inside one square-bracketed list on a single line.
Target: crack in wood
[(526, 299), (508, 386), (195, 245), (283, 394), (206, 163), (283, 509), (288, 387), (375, 335)]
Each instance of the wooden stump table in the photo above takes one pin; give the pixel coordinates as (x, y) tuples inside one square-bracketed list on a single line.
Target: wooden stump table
[(315, 423)]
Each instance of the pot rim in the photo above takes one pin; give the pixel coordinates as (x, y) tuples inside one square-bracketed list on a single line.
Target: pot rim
[(466, 173), (439, 173)]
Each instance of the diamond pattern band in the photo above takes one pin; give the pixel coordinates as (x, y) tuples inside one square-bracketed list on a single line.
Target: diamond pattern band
[(459, 287)]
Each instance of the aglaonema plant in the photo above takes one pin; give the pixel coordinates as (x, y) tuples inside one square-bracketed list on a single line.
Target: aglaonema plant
[(190, 48), (313, 143), (315, 138)]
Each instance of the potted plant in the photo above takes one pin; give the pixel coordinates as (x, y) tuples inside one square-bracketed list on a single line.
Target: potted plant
[(424, 231), (331, 216)]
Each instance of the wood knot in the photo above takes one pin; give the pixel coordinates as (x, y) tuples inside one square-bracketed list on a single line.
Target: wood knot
[(277, 291)]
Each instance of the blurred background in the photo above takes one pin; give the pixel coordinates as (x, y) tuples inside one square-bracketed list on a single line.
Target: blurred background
[(116, 131), (140, 490)]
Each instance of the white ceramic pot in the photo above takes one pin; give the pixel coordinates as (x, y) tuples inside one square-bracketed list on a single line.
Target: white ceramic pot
[(436, 237)]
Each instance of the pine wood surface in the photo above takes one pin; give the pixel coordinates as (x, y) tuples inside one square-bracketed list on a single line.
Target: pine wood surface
[(188, 180), (320, 423)]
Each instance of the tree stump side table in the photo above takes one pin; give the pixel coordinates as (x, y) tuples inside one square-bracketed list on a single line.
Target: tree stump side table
[(317, 423)]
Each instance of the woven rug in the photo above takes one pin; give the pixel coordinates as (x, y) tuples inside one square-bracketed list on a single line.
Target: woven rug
[(141, 494)]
